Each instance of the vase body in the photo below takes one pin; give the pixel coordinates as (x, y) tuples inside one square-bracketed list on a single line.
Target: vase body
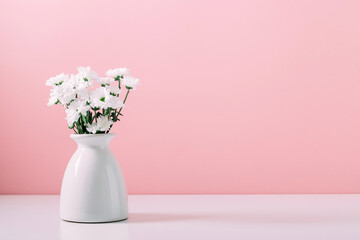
[(93, 187)]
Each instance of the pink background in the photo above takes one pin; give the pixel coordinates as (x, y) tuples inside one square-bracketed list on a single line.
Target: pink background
[(236, 96)]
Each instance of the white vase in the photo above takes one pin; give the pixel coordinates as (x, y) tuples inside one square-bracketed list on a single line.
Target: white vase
[(93, 187)]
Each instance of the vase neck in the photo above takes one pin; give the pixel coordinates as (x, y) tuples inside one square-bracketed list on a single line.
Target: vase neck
[(93, 140)]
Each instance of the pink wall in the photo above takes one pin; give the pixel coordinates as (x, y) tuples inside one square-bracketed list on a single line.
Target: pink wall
[(236, 96)]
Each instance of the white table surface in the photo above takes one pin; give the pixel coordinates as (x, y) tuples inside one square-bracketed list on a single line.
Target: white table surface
[(183, 217)]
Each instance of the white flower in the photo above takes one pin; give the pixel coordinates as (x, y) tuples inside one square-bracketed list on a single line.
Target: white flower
[(80, 106), (113, 102), (101, 98), (57, 80), (105, 80), (64, 93), (87, 73), (130, 82), (117, 72), (84, 94), (72, 116), (113, 89), (79, 82), (92, 127), (98, 97), (52, 101), (103, 123)]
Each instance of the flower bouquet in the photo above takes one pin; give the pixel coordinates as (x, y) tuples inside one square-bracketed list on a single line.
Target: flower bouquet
[(91, 110)]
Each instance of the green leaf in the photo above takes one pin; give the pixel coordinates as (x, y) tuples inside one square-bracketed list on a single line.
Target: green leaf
[(89, 117), (113, 116), (79, 128), (83, 118)]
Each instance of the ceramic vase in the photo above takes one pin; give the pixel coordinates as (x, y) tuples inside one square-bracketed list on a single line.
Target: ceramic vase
[(93, 188)]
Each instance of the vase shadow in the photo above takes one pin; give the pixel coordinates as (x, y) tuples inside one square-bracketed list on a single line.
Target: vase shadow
[(161, 217), (243, 218)]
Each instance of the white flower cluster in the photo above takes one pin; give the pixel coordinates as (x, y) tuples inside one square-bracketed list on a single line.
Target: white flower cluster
[(102, 124), (89, 109)]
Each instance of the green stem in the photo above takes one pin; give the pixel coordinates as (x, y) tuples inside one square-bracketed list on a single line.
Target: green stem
[(127, 93), (83, 123), (95, 116), (78, 127), (109, 129)]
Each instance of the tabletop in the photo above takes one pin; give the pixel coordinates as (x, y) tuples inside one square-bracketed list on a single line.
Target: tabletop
[(191, 217)]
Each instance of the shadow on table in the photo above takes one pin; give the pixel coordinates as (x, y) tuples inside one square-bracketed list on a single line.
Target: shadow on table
[(245, 218), (162, 217)]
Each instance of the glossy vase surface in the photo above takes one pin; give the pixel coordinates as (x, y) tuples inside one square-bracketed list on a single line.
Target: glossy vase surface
[(93, 187)]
